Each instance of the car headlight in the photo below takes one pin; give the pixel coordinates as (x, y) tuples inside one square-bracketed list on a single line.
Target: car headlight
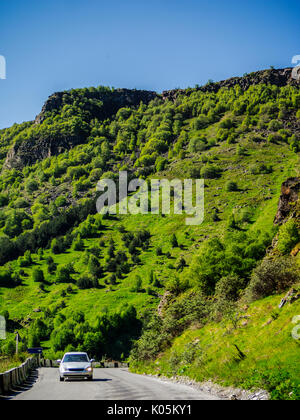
[(89, 369)]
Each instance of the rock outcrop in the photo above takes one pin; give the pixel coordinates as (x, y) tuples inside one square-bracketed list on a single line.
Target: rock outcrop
[(289, 197), (112, 102), (163, 303), (280, 77), (108, 103), (32, 150)]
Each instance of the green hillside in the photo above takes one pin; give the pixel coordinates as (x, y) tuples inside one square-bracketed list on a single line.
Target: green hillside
[(74, 279), (262, 333)]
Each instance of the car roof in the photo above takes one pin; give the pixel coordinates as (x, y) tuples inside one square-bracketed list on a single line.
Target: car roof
[(76, 352)]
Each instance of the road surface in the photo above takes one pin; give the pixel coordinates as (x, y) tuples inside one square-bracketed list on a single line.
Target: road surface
[(108, 384)]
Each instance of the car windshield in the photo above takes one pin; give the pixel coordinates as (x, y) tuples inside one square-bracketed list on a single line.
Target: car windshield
[(74, 358)]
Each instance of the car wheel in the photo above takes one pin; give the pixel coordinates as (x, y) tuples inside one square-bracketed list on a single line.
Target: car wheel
[(90, 378), (61, 379)]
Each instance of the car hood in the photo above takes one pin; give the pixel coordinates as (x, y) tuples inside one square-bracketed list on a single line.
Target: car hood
[(76, 365)]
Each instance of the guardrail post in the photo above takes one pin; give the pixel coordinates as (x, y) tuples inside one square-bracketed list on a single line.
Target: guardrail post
[(1, 383), (6, 382)]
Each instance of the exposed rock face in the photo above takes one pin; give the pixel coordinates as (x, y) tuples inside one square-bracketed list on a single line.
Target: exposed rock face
[(54, 101), (30, 151), (163, 303), (289, 196), (112, 101), (34, 149), (280, 77), (290, 297)]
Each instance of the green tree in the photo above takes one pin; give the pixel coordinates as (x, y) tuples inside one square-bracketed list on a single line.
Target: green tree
[(231, 186), (174, 241), (210, 172), (94, 266), (38, 275), (137, 285), (63, 274)]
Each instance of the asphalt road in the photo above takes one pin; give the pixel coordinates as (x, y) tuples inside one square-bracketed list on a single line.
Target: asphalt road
[(108, 384)]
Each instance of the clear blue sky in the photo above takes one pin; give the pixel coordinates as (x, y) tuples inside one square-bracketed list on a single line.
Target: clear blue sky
[(62, 44)]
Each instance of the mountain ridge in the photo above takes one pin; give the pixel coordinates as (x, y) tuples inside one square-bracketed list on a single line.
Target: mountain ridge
[(105, 103)]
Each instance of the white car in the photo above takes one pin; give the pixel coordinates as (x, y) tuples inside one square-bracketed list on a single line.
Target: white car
[(75, 365)]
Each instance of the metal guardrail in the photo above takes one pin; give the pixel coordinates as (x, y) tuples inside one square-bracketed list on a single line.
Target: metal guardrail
[(54, 364), (17, 376)]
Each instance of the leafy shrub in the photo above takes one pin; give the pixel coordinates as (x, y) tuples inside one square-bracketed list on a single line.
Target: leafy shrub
[(269, 109), (260, 168), (26, 260), (21, 203), (275, 138), (176, 285), (63, 274), (78, 244), (31, 185), (137, 285), (8, 279), (216, 260), (244, 215), (174, 241), (210, 172), (229, 288), (294, 143), (201, 122), (159, 251), (95, 267), (159, 332), (197, 144), (3, 200), (56, 246), (288, 237), (86, 282), (256, 138), (231, 186), (226, 123), (160, 164), (61, 201), (285, 134), (38, 275), (272, 276), (274, 125), (112, 279)]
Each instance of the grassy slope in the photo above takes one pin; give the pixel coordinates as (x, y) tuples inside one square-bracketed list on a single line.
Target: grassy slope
[(7, 363), (263, 334)]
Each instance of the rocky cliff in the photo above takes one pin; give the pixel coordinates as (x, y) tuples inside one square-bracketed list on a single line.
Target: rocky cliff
[(288, 201), (100, 105), (104, 103), (112, 101), (278, 77), (34, 149)]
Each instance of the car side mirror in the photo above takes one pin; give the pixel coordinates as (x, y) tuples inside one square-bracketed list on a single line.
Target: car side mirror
[(92, 360), (58, 361)]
